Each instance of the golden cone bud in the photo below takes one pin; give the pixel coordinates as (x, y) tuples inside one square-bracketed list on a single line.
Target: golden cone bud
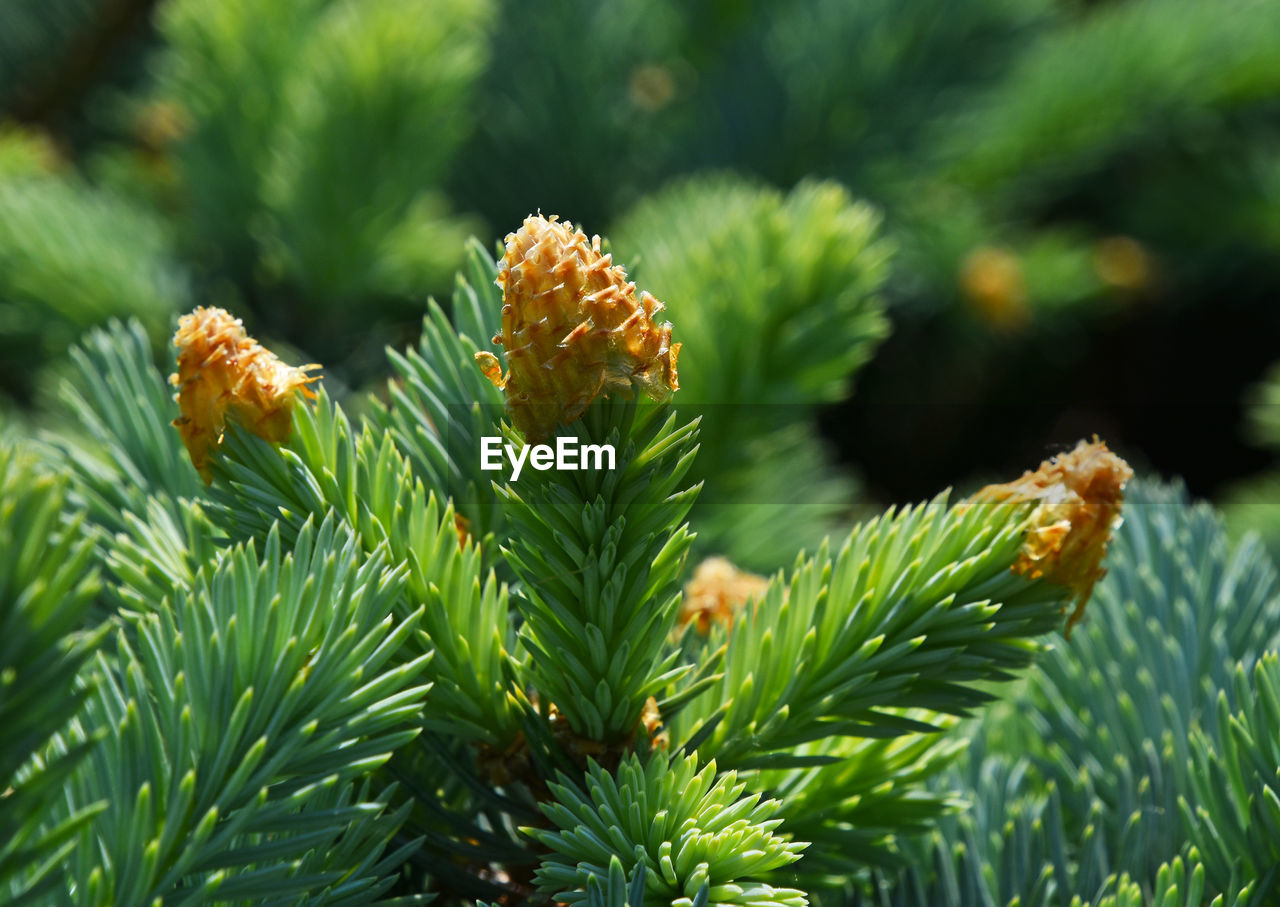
[(224, 372), (1079, 495), (573, 329), (717, 592), (994, 285)]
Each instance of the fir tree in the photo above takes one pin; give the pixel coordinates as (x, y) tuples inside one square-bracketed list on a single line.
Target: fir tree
[(291, 670)]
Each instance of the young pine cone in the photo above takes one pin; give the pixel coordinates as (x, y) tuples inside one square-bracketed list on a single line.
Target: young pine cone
[(223, 372), (572, 329)]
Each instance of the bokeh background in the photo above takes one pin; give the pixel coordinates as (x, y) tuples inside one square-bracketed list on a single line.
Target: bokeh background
[(916, 242)]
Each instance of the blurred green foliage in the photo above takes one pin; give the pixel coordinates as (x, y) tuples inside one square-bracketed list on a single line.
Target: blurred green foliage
[(71, 256), (1048, 191), (778, 306), (1050, 172), (1253, 505)]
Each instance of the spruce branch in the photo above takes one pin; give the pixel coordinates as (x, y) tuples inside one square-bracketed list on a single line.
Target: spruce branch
[(857, 798), (1010, 843), (1063, 798), (128, 470), (125, 453), (47, 587), (472, 847), (440, 406), (367, 482), (598, 551), (1180, 608), (619, 890), (323, 465), (801, 291), (1013, 845), (599, 554), (239, 719), (1178, 883), (1233, 815), (917, 610), (682, 827)]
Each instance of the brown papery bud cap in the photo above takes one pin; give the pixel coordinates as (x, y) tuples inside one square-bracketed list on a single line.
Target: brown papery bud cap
[(1078, 495)]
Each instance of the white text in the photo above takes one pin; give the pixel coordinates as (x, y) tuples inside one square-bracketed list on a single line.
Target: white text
[(567, 454)]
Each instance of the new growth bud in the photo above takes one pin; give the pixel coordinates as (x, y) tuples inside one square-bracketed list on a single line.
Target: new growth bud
[(717, 593), (1079, 496), (223, 372), (573, 329)]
